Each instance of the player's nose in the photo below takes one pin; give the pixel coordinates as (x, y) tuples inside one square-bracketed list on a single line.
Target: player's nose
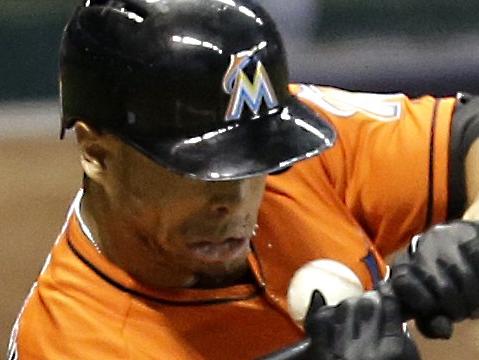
[(228, 196)]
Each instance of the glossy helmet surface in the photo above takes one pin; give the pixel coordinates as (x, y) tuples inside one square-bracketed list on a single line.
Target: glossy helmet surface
[(198, 86)]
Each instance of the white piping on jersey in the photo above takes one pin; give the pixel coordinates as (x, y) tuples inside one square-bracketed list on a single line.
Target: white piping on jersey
[(12, 352), (342, 103), (84, 227)]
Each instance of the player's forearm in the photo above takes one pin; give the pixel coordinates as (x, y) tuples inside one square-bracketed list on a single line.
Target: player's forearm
[(472, 182)]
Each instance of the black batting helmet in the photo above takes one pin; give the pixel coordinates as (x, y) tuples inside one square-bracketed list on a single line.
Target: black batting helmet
[(198, 86)]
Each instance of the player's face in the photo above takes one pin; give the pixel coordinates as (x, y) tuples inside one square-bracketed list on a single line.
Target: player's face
[(195, 227)]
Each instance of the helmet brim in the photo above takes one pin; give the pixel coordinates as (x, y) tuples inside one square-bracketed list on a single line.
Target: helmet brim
[(244, 149)]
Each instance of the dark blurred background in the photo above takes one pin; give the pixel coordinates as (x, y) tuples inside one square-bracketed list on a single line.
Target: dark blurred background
[(409, 46)]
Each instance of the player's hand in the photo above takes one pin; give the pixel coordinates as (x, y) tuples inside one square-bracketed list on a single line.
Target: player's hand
[(440, 275), (367, 327)]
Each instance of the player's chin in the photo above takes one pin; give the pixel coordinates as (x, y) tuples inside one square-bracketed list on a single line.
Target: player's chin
[(221, 274)]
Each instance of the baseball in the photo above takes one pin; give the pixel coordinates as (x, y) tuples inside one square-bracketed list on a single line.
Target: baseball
[(333, 279)]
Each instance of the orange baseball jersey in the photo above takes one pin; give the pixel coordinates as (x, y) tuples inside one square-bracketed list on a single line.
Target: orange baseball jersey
[(385, 180)]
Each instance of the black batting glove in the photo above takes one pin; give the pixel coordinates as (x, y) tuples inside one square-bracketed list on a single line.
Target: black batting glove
[(437, 280), (368, 327)]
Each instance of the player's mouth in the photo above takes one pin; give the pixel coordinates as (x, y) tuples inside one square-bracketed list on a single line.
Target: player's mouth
[(219, 251)]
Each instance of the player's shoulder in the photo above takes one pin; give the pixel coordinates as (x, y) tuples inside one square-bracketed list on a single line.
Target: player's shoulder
[(336, 104)]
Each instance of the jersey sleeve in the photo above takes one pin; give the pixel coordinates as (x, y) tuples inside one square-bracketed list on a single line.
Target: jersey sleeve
[(390, 164)]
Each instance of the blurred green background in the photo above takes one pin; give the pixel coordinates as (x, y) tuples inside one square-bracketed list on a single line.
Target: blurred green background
[(420, 19), (30, 32), (29, 36)]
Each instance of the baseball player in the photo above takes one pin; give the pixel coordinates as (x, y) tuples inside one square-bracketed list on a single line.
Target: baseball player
[(181, 109)]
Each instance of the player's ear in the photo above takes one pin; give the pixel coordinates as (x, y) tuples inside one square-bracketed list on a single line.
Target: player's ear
[(96, 151)]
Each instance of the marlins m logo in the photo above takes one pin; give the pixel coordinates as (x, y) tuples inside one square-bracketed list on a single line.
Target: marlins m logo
[(237, 84)]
